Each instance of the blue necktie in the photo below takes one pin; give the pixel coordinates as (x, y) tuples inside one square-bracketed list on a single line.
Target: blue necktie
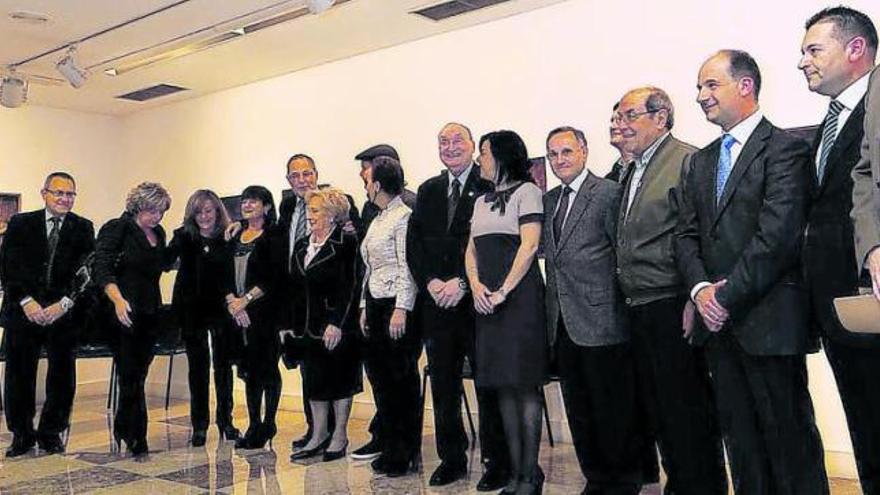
[(724, 166)]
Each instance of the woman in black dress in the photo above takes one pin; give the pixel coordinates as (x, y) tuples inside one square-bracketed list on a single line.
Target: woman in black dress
[(129, 259), (325, 312), (250, 295), (198, 303), (508, 292)]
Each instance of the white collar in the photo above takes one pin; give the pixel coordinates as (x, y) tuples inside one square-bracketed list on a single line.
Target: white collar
[(743, 130), (462, 177), (578, 181), (651, 150), (852, 95)]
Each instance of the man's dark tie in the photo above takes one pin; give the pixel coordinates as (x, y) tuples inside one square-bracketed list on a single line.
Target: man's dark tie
[(829, 134), (559, 219), (300, 219), (452, 204), (53, 245)]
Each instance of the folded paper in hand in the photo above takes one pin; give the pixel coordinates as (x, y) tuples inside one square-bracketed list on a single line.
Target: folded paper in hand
[(859, 314)]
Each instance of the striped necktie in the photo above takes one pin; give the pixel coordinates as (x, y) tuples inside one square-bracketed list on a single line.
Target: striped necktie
[(829, 134)]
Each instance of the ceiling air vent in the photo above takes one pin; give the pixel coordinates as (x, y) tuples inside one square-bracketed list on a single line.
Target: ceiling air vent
[(446, 10), (152, 92)]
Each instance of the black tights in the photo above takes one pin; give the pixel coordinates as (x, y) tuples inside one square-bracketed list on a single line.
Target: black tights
[(256, 388), (521, 413)]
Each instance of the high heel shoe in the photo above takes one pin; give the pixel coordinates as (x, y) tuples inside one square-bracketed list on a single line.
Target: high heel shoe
[(229, 432), (535, 483), (138, 448), (330, 456), (269, 431), (250, 438), (307, 453)]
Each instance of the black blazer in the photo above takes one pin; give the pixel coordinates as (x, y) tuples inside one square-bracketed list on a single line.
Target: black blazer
[(124, 256), (26, 256), (327, 288), (199, 286), (433, 251), (829, 266), (752, 239), (262, 272)]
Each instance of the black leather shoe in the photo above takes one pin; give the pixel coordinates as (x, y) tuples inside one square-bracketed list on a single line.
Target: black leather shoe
[(378, 465), (139, 448), (251, 438), (300, 442), (20, 446), (307, 453), (369, 451), (493, 479), (448, 473), (536, 482), (198, 438), (51, 444), (332, 455)]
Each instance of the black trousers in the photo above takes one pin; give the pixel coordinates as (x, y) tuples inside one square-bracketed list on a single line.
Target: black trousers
[(23, 344), (134, 353), (857, 371), (602, 405), (449, 337), (677, 395), (199, 357), (766, 416), (395, 381)]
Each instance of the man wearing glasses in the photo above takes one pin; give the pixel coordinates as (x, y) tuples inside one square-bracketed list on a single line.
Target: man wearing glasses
[(667, 366), (42, 251)]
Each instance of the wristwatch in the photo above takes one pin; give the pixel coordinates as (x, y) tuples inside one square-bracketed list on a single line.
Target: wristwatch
[(462, 284), (249, 296)]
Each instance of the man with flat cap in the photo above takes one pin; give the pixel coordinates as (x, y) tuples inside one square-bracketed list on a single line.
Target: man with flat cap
[(366, 158)]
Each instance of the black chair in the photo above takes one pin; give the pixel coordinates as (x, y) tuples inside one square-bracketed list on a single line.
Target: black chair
[(468, 374)]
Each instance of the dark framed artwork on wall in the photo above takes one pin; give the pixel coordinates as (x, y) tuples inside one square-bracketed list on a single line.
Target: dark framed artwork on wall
[(233, 207), (539, 172)]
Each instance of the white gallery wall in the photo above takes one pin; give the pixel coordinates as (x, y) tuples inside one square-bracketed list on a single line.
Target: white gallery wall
[(564, 64)]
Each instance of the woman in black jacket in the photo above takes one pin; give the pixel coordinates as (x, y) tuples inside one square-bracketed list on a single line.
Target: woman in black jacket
[(251, 286), (129, 259), (199, 305), (325, 312)]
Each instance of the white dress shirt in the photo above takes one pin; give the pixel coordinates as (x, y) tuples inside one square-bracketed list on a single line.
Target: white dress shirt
[(849, 98), (575, 188), (384, 253), (298, 209), (741, 133), (462, 179)]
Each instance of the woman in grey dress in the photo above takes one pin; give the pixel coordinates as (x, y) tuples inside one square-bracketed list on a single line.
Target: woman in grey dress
[(508, 292)]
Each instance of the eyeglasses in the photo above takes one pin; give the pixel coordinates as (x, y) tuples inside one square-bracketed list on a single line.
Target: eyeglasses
[(631, 115), (61, 194), (306, 174)]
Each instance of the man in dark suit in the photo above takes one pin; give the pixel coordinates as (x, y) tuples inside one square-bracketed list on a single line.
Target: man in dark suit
[(436, 241), (302, 175), (838, 49), (366, 157), (42, 251), (587, 320), (738, 239), (668, 367)]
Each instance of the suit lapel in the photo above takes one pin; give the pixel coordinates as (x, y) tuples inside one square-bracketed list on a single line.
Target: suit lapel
[(752, 149), (581, 201), (327, 251)]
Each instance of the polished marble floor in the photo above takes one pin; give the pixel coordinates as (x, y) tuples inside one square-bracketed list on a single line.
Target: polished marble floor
[(172, 467)]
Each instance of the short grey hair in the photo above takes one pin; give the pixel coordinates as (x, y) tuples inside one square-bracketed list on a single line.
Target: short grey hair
[(147, 196), (658, 100)]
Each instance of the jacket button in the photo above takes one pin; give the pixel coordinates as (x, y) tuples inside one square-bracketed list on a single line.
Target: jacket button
[(629, 301), (618, 270)]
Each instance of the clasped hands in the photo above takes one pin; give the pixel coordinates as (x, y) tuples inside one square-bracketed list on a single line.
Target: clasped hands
[(485, 301), (446, 295), (235, 306), (43, 316), (714, 314)]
